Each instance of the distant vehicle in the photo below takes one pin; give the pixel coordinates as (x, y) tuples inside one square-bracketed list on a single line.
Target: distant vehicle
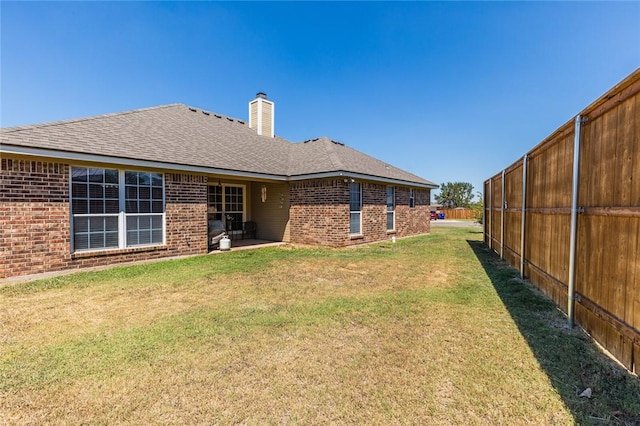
[(434, 215)]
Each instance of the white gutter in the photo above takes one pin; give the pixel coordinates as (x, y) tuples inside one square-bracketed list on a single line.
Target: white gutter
[(105, 159), (361, 176), (574, 222)]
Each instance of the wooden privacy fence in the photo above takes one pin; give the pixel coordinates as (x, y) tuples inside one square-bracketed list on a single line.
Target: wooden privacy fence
[(458, 213), (567, 215)]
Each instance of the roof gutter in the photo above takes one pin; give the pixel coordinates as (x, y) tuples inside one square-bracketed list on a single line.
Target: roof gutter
[(105, 159), (362, 176)]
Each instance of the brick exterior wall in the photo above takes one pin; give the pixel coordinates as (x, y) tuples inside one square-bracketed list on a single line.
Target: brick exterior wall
[(416, 220), (186, 213), (35, 222), (314, 209), (34, 216), (374, 213), (319, 213)]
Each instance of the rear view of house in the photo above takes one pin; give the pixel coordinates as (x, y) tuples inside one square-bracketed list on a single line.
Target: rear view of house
[(148, 183)]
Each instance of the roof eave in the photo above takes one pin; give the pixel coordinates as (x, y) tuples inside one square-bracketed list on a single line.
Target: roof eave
[(131, 162), (362, 176)]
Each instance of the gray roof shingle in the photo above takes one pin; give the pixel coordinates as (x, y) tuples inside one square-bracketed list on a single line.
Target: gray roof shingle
[(181, 135)]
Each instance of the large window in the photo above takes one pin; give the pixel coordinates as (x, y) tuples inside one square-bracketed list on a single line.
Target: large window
[(144, 208), (116, 208), (391, 208), (215, 202), (95, 206), (226, 203), (355, 214), (234, 207)]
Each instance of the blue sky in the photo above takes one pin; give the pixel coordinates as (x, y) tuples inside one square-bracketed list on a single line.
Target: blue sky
[(451, 91)]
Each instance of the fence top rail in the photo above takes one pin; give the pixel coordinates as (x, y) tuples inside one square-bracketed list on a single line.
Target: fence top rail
[(628, 87), (513, 167)]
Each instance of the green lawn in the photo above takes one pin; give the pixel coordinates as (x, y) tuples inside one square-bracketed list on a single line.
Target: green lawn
[(429, 330)]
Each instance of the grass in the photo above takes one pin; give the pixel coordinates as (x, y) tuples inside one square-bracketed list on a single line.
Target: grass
[(430, 330)]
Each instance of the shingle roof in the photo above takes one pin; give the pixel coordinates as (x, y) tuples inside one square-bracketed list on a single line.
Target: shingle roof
[(178, 134), (324, 155)]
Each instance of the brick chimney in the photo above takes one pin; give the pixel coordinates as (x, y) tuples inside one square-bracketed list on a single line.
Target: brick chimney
[(261, 115)]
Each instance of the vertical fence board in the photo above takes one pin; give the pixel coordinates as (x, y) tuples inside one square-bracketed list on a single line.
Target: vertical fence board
[(628, 151), (604, 170), (613, 302), (513, 213), (632, 293), (496, 202), (487, 213), (631, 133)]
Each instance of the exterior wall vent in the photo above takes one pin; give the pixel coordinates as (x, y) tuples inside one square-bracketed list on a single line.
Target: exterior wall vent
[(262, 115)]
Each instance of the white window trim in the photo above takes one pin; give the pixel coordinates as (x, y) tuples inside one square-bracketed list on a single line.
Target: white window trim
[(391, 211), (244, 200), (122, 222), (412, 198), (359, 212)]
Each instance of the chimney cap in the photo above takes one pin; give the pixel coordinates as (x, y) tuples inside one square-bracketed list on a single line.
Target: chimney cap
[(261, 95)]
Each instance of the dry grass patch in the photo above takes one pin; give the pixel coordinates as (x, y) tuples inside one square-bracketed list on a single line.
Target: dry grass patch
[(413, 332)]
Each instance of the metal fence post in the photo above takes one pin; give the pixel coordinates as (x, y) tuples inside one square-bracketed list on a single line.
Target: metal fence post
[(524, 210), (502, 219), (574, 222), (490, 213)]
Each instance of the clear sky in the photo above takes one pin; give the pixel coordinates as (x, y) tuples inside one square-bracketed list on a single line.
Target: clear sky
[(451, 91)]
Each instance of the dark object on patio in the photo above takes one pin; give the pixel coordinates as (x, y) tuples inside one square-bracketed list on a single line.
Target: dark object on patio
[(249, 230), (215, 232)]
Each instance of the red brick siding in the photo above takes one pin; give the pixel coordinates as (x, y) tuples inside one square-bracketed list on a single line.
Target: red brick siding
[(35, 222), (319, 213), (186, 213), (34, 216), (416, 220), (374, 213)]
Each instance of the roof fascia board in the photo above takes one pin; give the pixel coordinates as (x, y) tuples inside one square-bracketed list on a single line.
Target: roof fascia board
[(344, 174), (64, 155), (71, 156)]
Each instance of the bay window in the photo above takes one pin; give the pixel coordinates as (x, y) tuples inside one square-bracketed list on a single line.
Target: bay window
[(116, 208)]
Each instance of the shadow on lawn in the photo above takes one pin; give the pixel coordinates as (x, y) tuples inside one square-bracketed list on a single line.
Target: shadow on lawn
[(569, 357)]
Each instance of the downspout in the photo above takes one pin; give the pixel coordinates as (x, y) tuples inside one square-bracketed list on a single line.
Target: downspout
[(502, 220), (524, 210), (574, 222)]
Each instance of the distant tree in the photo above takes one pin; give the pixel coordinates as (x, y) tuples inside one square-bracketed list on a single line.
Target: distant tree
[(455, 194), (478, 208)]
